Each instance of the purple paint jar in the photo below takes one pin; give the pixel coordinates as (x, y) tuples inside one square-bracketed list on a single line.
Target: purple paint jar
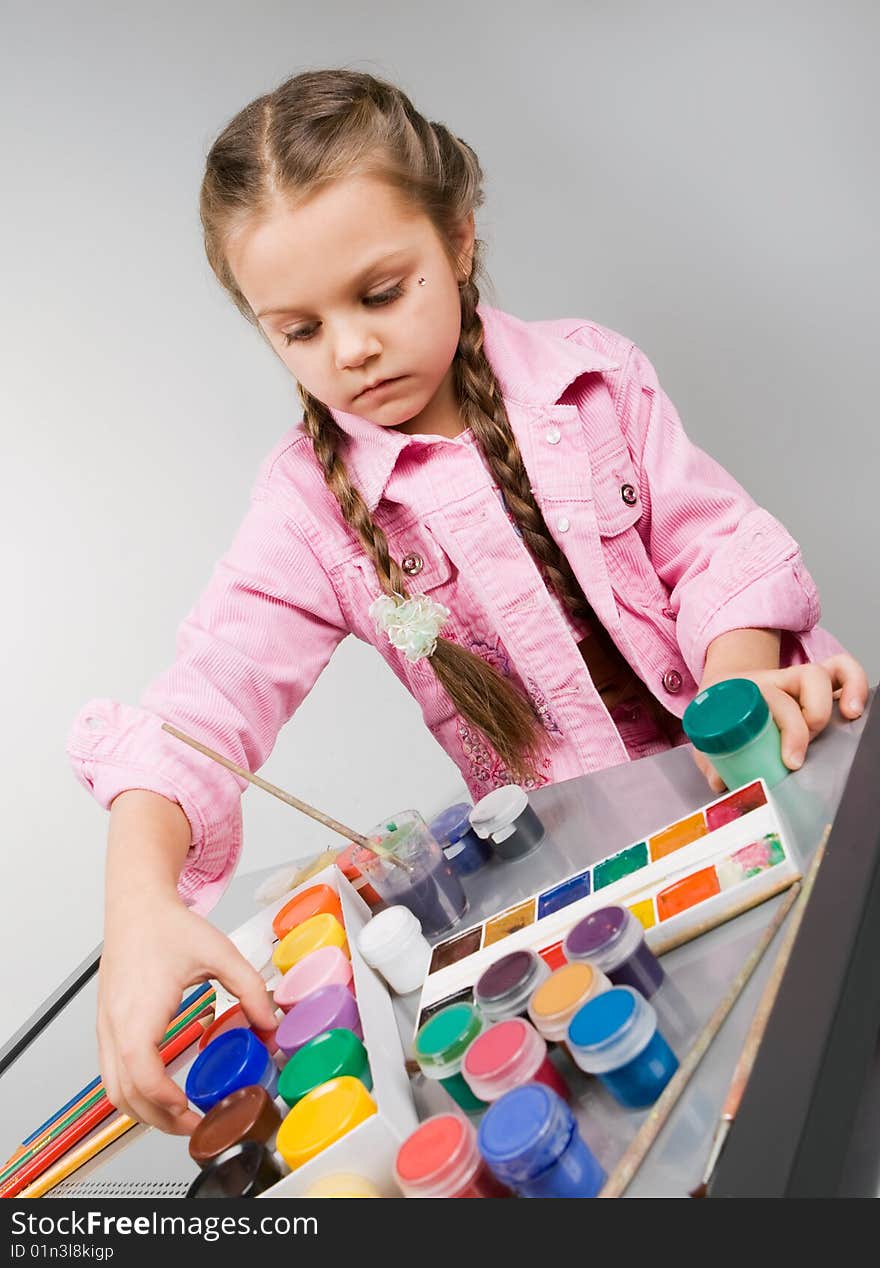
[(614, 941), (329, 1008), (505, 988)]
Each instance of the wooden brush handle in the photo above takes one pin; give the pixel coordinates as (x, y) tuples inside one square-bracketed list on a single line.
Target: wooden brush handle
[(334, 824)]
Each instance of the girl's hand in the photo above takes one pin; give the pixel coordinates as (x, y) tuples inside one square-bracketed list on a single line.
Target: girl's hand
[(800, 700), (153, 950)]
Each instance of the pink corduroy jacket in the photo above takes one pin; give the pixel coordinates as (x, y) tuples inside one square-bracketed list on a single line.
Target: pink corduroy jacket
[(669, 550)]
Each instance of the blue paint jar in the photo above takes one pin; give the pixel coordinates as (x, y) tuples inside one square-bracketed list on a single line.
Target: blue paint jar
[(463, 848), (615, 1036), (530, 1141), (236, 1058)]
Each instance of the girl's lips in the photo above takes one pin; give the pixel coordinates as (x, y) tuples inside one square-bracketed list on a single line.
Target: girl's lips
[(374, 393)]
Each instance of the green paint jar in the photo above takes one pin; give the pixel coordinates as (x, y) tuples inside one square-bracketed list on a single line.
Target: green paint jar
[(440, 1047), (331, 1054), (730, 722)]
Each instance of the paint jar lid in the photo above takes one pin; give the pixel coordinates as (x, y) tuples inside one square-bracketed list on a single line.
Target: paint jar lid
[(451, 824), (277, 885), (241, 1172), (318, 931), (235, 1018), (302, 906), (325, 1009), (438, 1159), (321, 1117), (557, 999), (504, 1056), (444, 1039), (234, 1059), (254, 943), (342, 1184), (503, 989), (327, 1056), (525, 1131), (605, 937), (611, 1029), (725, 716), (498, 810), (248, 1113), (386, 934), (319, 968)]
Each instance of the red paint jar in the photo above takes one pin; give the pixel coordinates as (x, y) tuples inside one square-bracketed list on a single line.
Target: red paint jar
[(345, 863), (505, 1056), (440, 1159)]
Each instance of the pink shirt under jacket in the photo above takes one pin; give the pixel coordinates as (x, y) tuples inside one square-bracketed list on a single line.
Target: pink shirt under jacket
[(669, 550)]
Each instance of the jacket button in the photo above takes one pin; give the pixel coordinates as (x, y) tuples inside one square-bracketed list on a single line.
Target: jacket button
[(553, 436), (629, 494), (411, 564), (672, 681), (563, 524)]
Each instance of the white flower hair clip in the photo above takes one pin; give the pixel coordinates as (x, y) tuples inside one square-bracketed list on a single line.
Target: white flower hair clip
[(412, 625)]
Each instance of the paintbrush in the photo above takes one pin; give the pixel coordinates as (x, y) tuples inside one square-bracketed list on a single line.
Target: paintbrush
[(756, 1030), (644, 1138), (372, 844)]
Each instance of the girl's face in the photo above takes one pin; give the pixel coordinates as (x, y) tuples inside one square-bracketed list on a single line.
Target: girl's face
[(334, 283)]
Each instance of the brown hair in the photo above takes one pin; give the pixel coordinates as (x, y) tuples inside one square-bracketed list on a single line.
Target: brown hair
[(314, 129)]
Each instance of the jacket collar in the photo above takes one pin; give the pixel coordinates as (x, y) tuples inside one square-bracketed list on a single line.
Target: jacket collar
[(533, 364)]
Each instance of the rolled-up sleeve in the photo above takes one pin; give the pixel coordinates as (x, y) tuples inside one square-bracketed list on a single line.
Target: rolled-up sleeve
[(247, 655), (727, 562)]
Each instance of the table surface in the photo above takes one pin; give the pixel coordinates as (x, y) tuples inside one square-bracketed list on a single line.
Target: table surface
[(586, 819)]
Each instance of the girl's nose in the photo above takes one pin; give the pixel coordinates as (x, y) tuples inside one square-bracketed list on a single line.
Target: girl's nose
[(354, 345)]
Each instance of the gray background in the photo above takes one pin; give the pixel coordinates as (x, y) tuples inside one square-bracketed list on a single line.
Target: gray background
[(700, 177)]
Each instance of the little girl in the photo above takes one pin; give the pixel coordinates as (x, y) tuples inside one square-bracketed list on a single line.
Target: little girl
[(510, 511)]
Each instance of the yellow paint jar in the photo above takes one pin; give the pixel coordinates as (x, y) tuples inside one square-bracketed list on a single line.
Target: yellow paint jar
[(323, 930), (343, 1184), (554, 1003), (323, 1116)]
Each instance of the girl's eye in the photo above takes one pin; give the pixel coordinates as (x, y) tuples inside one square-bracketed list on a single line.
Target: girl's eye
[(372, 301)]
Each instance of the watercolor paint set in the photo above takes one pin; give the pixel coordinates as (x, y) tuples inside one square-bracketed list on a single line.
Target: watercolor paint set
[(385, 1112), (678, 881)]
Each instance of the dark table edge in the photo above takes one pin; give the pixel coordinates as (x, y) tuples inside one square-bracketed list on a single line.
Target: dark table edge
[(791, 1134), (51, 1007)]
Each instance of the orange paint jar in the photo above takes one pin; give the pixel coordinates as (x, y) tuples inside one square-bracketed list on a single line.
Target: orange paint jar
[(307, 903)]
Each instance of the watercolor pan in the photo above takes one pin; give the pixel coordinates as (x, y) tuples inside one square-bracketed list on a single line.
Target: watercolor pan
[(562, 895), (510, 921), (678, 882), (446, 953)]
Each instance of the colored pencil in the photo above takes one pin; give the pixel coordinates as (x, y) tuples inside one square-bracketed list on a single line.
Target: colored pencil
[(59, 1124), (184, 1005), (73, 1134), (79, 1157), (756, 1032), (97, 1096), (644, 1138)]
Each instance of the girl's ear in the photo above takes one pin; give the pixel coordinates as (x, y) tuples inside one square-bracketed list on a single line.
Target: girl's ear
[(463, 241)]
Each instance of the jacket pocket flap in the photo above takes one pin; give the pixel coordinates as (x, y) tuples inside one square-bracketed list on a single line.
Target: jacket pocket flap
[(616, 499)]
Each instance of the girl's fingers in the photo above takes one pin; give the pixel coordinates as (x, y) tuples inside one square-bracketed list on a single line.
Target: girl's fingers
[(850, 682), (243, 981), (795, 732), (150, 1092), (815, 696), (107, 1065)]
